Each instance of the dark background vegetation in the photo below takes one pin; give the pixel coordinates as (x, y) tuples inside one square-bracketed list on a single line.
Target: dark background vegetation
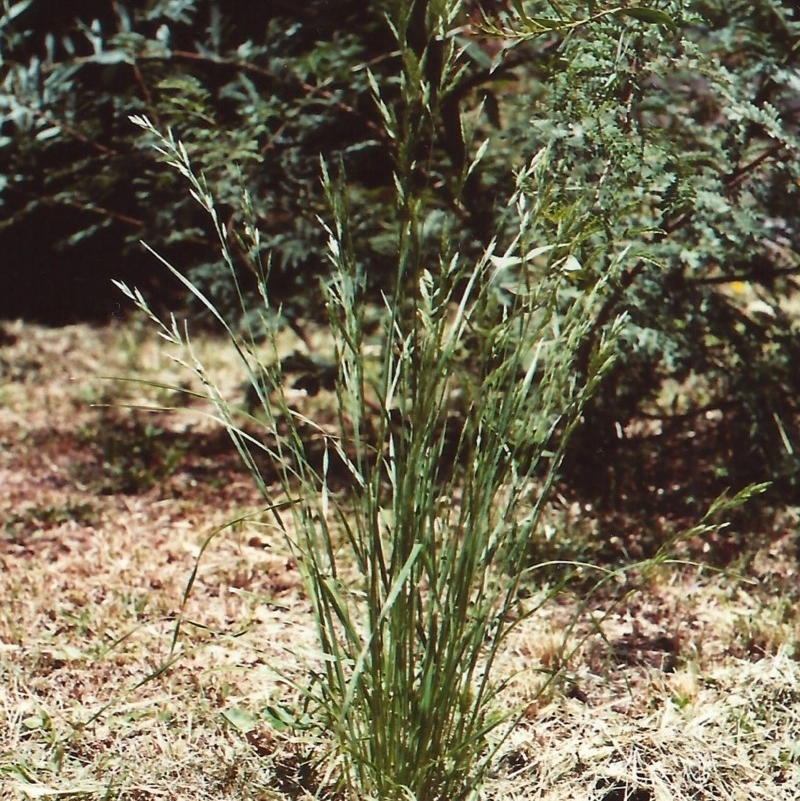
[(680, 145)]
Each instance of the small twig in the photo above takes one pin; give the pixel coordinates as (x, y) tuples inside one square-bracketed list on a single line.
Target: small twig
[(73, 132), (740, 173), (75, 204)]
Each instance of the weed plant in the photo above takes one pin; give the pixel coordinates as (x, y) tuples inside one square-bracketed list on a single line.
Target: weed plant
[(413, 569)]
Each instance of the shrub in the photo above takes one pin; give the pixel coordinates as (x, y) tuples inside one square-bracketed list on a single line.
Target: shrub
[(257, 93), (684, 144)]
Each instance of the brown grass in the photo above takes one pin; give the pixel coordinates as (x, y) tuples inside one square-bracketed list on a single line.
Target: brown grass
[(690, 691)]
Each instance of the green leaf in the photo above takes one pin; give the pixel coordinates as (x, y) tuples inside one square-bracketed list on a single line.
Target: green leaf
[(282, 717), (240, 719), (651, 15)]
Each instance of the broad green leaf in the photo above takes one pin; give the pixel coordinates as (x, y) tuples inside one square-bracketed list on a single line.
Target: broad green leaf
[(240, 719)]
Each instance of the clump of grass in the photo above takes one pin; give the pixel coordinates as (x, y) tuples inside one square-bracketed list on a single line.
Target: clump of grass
[(406, 686), (413, 567)]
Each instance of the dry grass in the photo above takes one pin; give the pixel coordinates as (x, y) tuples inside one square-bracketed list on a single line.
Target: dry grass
[(691, 692)]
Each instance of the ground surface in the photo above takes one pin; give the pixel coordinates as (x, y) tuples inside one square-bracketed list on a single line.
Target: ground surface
[(690, 690)]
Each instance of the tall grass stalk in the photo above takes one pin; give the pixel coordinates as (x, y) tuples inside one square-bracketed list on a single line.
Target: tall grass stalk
[(451, 442)]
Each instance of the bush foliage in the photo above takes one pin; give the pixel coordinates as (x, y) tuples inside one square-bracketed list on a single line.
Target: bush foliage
[(673, 137)]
